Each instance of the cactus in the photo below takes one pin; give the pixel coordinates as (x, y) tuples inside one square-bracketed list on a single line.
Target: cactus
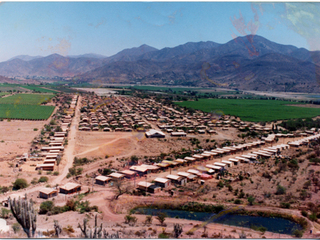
[(88, 232), (57, 228), (24, 213), (177, 230), (110, 236)]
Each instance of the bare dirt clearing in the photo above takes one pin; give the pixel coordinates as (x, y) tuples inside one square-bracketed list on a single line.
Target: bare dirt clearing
[(16, 137), (100, 144)]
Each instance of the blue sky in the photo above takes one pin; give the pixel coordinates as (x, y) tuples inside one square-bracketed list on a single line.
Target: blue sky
[(72, 28)]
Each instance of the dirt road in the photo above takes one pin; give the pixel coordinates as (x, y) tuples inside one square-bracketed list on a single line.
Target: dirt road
[(69, 151)]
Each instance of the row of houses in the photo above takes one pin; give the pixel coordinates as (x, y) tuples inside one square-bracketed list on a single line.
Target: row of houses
[(182, 178), (205, 172), (68, 188), (54, 151)]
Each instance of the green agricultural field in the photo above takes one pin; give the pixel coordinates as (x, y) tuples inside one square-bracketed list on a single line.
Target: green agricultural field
[(26, 99), (253, 110), (32, 112), (38, 88)]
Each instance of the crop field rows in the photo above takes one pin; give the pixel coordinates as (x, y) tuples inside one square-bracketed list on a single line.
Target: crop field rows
[(24, 112), (253, 110), (26, 99), (25, 106)]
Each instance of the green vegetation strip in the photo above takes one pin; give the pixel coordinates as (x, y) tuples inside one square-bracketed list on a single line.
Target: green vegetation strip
[(253, 110), (190, 206), (38, 89), (26, 99), (25, 112)]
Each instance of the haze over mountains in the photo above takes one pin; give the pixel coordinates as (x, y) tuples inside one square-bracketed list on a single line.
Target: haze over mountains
[(250, 63)]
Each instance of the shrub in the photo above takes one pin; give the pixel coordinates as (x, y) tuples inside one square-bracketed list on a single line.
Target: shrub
[(220, 184), (20, 183), (304, 194), (285, 205), (313, 217), (43, 179), (307, 184), (241, 195), (34, 181), (45, 207), (71, 205), (5, 212), (161, 217), (280, 190), (148, 219), (131, 220), (16, 227), (163, 235), (55, 173), (4, 189), (298, 233), (258, 228), (237, 201), (304, 213), (251, 199)]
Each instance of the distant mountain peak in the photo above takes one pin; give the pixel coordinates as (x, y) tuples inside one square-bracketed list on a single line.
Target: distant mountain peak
[(24, 57)]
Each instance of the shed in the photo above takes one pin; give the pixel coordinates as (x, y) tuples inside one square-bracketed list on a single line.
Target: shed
[(229, 163), (220, 164), (70, 188), (129, 173), (45, 167), (162, 182), (189, 159), (48, 193), (195, 172), (116, 176), (214, 167), (178, 134), (152, 133), (176, 179), (102, 180), (149, 187)]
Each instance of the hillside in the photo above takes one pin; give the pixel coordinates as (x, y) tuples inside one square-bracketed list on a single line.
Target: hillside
[(249, 63)]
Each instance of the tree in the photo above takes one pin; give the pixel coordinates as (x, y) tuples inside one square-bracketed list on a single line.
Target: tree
[(20, 183), (134, 159), (121, 188), (161, 217), (24, 213)]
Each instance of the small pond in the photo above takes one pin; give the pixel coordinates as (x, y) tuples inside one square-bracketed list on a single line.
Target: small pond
[(277, 225)]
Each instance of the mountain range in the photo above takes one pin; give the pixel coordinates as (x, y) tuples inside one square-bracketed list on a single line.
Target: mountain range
[(249, 63)]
